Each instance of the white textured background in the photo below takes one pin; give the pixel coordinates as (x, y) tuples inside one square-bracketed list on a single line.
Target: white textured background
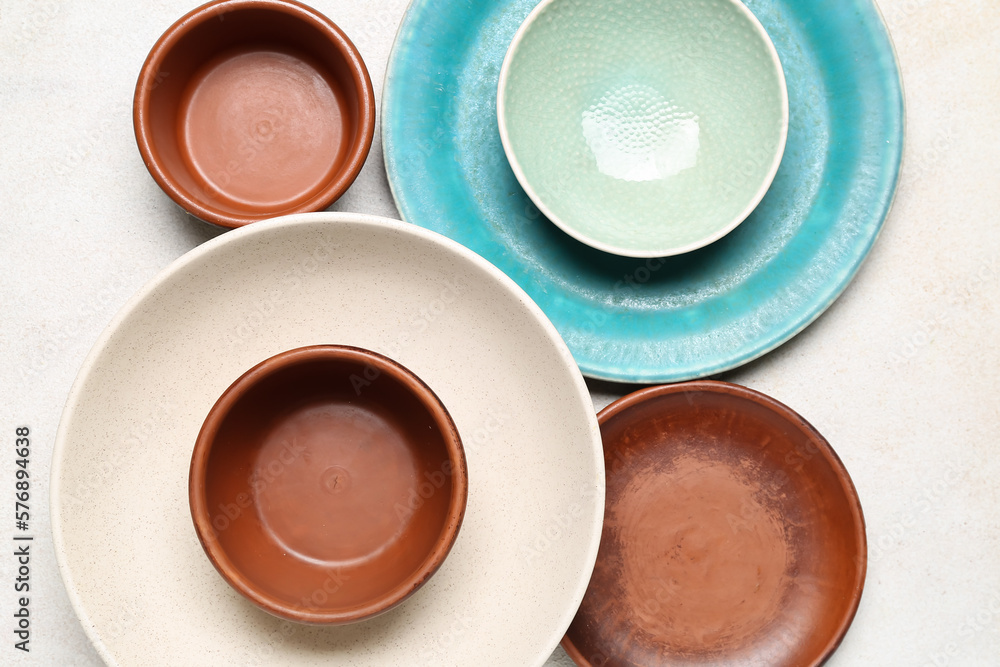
[(901, 374)]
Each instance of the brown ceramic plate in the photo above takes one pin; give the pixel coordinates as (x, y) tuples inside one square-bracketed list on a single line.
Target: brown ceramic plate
[(733, 535)]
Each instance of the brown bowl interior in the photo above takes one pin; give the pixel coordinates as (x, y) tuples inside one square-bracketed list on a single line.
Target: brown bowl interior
[(250, 109), (733, 535), (327, 484)]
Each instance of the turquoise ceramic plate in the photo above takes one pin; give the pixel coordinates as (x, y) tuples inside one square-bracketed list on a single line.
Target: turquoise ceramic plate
[(660, 319)]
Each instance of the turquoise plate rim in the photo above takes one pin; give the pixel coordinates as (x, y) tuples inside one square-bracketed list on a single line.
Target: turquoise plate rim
[(549, 296)]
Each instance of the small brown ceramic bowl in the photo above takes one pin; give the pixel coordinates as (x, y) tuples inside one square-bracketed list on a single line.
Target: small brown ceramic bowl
[(733, 535), (327, 484), (250, 109)]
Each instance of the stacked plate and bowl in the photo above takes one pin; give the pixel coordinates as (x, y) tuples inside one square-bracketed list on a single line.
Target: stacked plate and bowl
[(337, 439)]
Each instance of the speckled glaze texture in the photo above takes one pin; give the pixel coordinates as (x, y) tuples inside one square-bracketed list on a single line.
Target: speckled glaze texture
[(733, 535), (134, 570), (658, 319), (647, 128)]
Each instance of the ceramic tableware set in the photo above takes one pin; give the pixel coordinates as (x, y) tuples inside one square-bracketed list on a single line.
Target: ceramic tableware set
[(330, 438)]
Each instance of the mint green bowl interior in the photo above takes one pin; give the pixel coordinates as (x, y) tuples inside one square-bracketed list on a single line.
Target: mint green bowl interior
[(644, 128)]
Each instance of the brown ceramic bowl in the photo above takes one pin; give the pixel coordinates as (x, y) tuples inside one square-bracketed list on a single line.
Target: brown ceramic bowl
[(327, 484), (733, 535), (250, 109)]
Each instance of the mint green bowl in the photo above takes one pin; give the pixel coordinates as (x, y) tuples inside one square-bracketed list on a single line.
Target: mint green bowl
[(644, 128)]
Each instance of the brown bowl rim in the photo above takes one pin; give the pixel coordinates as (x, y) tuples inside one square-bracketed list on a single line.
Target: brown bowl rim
[(203, 446), (828, 453), (147, 81)]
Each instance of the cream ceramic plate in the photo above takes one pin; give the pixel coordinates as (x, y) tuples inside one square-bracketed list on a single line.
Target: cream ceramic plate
[(138, 579)]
